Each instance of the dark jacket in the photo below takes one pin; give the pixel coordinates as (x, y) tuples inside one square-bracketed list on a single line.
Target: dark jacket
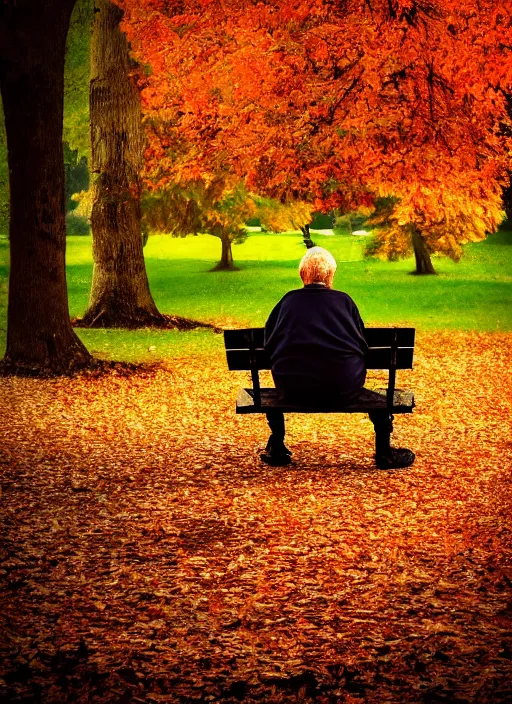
[(315, 338)]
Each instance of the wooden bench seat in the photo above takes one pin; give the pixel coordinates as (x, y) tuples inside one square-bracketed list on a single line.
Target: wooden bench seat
[(372, 400)]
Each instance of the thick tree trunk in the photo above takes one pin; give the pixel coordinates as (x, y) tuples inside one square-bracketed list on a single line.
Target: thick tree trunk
[(507, 191), (40, 338), (120, 295), (422, 255)]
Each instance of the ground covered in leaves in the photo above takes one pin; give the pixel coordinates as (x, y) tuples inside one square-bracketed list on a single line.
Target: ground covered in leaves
[(147, 554)]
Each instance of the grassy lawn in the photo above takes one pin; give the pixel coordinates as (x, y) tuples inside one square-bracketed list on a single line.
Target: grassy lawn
[(474, 294)]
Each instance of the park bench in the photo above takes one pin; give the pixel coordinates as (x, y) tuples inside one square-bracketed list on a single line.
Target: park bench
[(388, 348)]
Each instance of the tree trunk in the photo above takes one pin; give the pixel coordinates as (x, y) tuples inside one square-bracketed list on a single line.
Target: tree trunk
[(307, 237), (507, 191), (507, 201), (226, 260), (423, 261), (120, 295), (40, 338)]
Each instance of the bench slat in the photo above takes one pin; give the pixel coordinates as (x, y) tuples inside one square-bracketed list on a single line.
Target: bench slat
[(375, 337), (238, 339), (383, 337), (241, 359), (403, 402), (377, 358), (380, 358)]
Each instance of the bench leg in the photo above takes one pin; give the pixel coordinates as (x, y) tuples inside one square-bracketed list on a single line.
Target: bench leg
[(275, 420), (383, 424), (386, 456), (276, 452)]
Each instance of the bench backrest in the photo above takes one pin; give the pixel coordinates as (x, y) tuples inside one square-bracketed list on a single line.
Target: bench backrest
[(389, 348)]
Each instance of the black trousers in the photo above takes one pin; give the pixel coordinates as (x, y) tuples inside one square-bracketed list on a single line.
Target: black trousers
[(382, 419)]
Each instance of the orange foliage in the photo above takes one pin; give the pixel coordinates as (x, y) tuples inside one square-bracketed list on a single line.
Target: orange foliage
[(464, 212), (334, 103), (280, 217)]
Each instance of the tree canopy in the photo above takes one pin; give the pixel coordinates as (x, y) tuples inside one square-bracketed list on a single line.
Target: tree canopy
[(338, 103)]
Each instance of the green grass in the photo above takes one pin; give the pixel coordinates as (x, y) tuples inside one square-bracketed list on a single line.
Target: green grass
[(474, 294)]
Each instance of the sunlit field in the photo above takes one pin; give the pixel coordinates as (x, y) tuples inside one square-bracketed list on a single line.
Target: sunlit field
[(474, 294)]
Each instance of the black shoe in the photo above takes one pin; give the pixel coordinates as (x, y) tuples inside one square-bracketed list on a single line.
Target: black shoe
[(276, 460), (397, 458), (277, 447)]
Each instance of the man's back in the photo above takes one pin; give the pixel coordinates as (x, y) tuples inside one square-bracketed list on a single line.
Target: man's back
[(315, 337)]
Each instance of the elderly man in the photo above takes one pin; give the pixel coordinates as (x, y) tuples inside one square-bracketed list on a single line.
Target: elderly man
[(315, 338)]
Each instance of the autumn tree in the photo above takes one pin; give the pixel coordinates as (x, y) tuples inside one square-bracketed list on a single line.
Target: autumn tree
[(334, 103), (460, 216), (32, 47), (120, 295), (282, 217), (226, 220), (219, 207)]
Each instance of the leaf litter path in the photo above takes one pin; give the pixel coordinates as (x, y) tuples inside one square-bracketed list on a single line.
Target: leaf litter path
[(148, 555)]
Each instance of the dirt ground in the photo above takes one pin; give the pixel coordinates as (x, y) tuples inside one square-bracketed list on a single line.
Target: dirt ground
[(147, 555)]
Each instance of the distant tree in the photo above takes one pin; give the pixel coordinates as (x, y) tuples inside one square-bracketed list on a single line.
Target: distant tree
[(78, 220), (76, 175), (282, 217), (226, 220), (32, 47), (174, 210), (414, 227), (220, 207), (393, 239), (76, 114)]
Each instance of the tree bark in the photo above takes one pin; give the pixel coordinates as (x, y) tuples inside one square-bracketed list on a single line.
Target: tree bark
[(120, 295), (507, 191), (40, 338), (422, 255), (226, 260), (507, 201)]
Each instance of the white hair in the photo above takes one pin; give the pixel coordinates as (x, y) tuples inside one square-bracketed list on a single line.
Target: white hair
[(317, 266)]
